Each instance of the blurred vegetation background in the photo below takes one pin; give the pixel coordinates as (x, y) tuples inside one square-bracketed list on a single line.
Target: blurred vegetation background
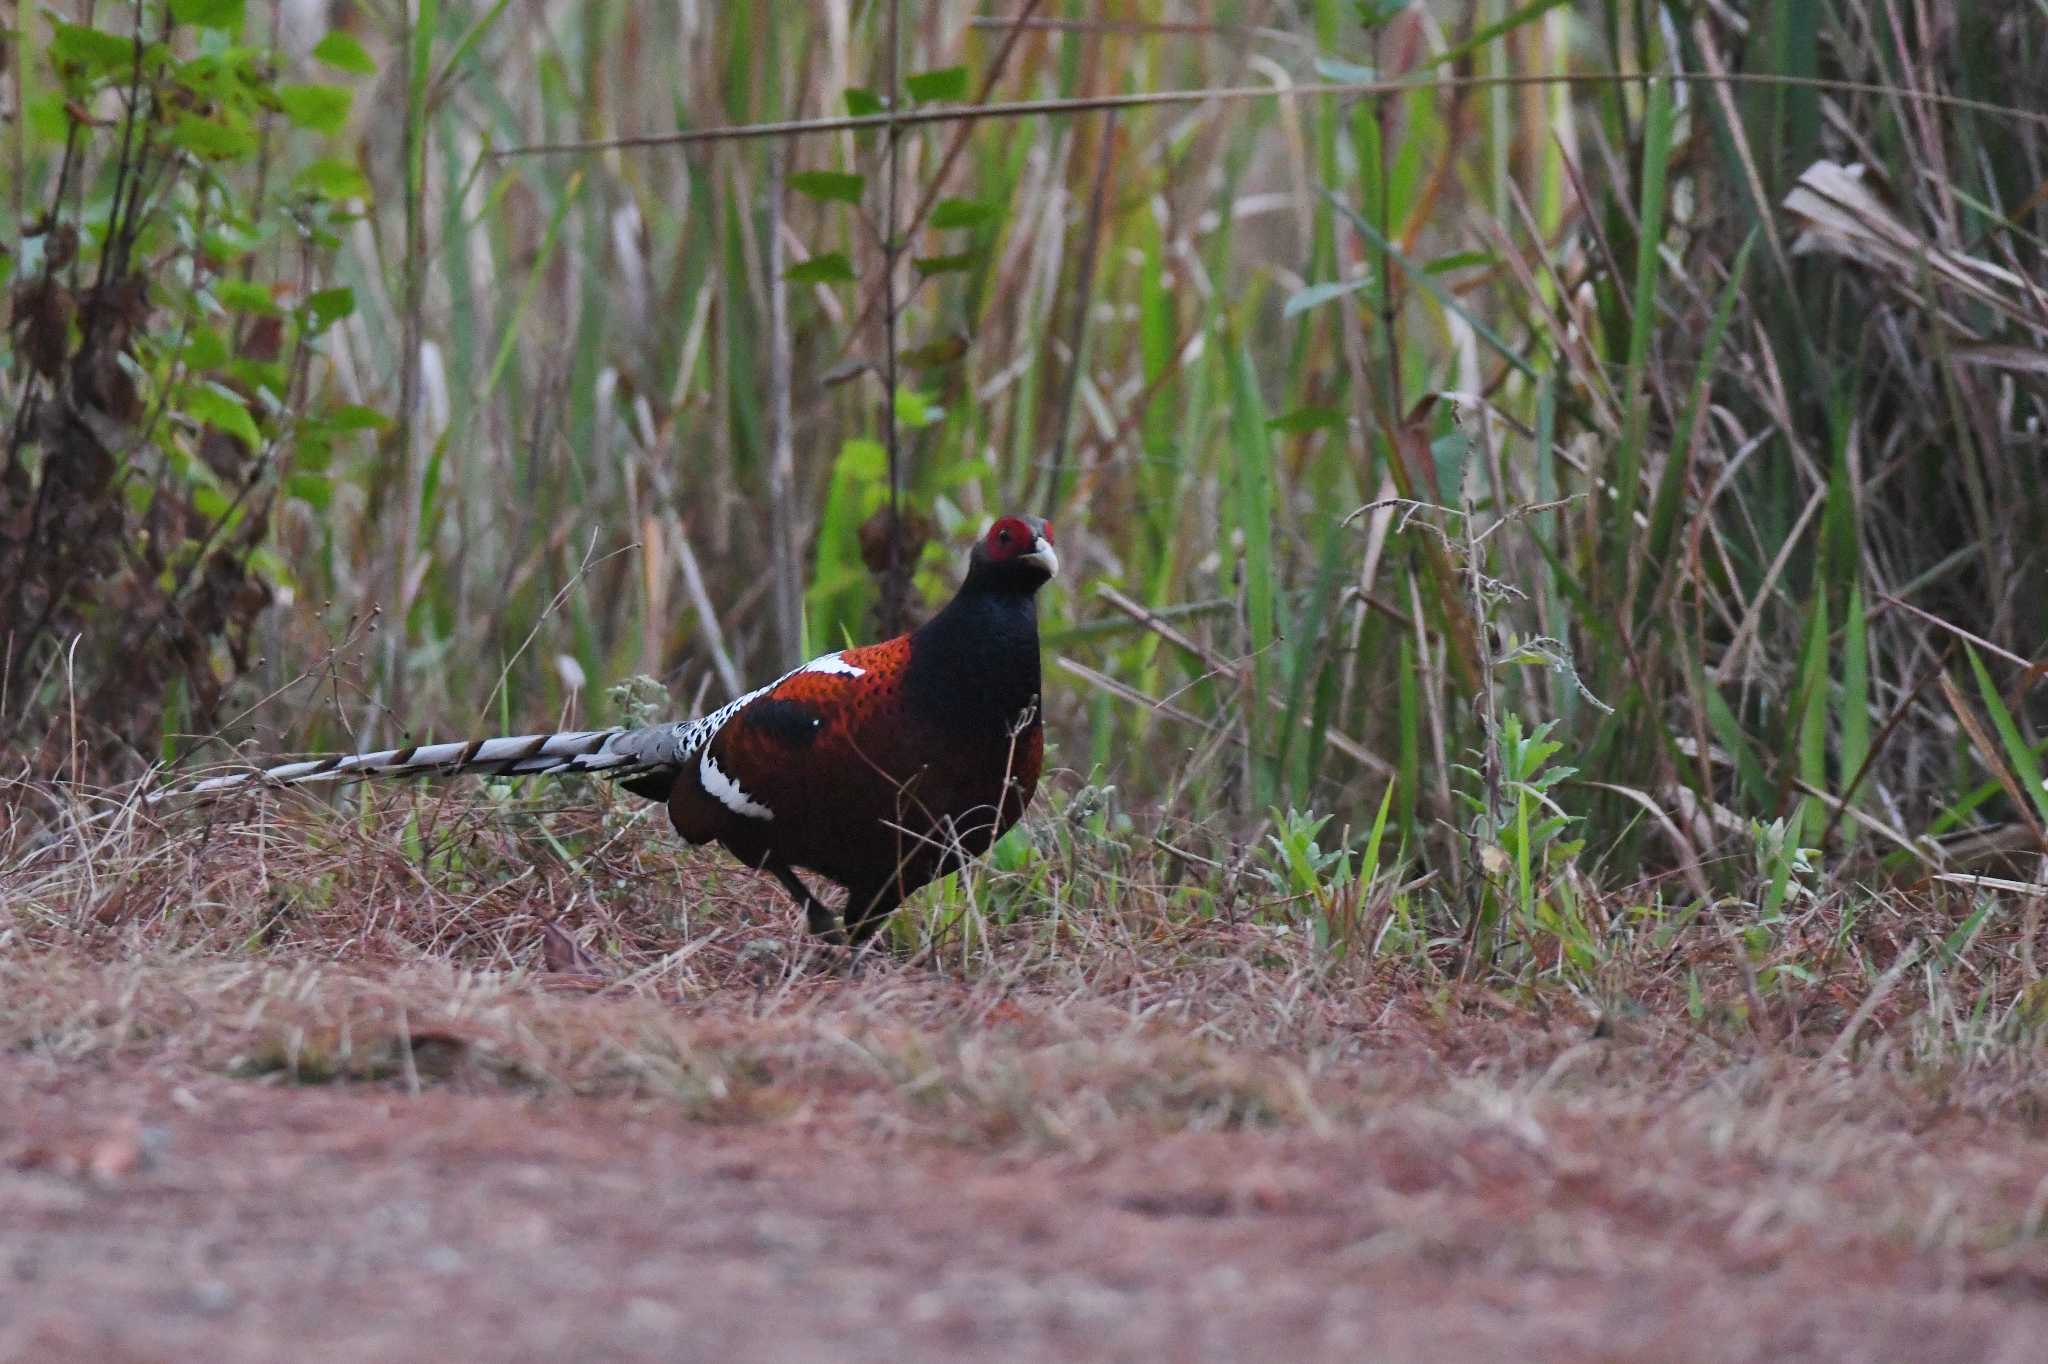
[(1537, 467)]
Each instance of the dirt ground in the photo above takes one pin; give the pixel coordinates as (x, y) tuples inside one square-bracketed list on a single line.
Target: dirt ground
[(160, 1210)]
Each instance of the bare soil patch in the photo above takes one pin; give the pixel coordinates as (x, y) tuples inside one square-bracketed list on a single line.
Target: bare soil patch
[(905, 1166)]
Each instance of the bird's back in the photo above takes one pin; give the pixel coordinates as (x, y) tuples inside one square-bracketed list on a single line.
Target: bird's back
[(842, 768)]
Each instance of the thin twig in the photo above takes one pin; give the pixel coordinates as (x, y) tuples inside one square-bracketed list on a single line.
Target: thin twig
[(1032, 108), (1140, 28)]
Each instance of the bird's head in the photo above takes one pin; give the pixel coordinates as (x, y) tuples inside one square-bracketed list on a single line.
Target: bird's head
[(1016, 555)]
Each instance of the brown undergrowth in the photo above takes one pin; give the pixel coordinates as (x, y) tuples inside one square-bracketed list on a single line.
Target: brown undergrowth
[(460, 936)]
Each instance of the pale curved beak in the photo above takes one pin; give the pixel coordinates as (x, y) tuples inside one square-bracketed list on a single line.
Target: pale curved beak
[(1042, 555)]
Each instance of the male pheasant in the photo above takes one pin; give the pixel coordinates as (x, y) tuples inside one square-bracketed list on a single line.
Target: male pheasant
[(879, 768)]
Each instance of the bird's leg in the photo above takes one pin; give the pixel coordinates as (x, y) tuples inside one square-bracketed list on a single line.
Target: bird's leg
[(822, 922), (867, 909)]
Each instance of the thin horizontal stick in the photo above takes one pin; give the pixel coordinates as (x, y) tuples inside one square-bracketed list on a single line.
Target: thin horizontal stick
[(1137, 28), (1032, 108)]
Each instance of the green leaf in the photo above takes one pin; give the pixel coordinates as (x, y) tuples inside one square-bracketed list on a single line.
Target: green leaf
[(224, 248), (215, 141), (1307, 419), (829, 185), (915, 409), (837, 596), (356, 417), (270, 375), (331, 178), (864, 103), (830, 267), (205, 349), (935, 87), (75, 47), (962, 213), (1315, 295), (210, 502), (2026, 767), (319, 108), (329, 306), (1451, 454), (48, 119), (342, 52), (314, 489), (244, 296), (927, 266), (1460, 260), (215, 406), (225, 15)]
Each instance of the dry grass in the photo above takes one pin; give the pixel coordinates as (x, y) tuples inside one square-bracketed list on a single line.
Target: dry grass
[(405, 939)]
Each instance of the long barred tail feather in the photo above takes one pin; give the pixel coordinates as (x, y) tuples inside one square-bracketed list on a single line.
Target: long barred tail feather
[(618, 753), (610, 752)]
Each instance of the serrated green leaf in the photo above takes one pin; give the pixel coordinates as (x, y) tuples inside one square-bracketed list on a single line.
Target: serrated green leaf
[(212, 139), (830, 267), (342, 52), (962, 213), (225, 15), (841, 186), (318, 108), (944, 85)]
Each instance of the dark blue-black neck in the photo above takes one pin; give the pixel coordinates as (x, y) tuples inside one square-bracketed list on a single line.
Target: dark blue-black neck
[(975, 664)]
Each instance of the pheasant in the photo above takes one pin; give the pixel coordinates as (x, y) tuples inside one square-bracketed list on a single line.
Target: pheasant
[(879, 768)]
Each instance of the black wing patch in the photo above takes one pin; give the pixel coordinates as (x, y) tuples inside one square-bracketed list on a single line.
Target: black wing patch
[(790, 723), (653, 784)]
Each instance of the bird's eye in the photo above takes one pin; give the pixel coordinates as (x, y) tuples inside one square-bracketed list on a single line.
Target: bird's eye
[(1004, 536)]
